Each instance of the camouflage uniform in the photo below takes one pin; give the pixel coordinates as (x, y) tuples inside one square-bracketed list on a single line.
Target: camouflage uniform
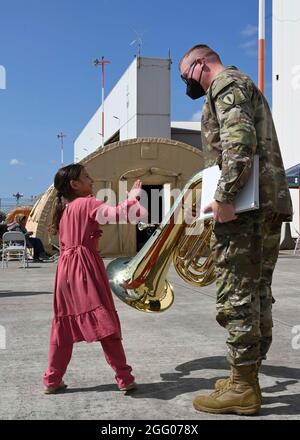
[(236, 124)]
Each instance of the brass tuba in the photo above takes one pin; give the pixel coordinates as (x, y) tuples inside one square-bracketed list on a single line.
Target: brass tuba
[(141, 281)]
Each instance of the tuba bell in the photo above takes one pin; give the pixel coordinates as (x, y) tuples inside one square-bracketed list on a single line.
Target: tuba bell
[(141, 281)]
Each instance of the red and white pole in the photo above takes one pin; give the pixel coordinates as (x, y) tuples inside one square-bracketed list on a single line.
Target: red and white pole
[(261, 45), (102, 103)]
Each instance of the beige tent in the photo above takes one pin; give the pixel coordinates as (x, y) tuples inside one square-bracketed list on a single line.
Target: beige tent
[(155, 161)]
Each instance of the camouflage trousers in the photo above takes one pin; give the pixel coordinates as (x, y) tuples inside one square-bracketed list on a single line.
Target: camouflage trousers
[(245, 253)]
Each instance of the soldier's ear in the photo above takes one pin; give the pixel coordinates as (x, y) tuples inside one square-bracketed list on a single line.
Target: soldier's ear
[(201, 60)]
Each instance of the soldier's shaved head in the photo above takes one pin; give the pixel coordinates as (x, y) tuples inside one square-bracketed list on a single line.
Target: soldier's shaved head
[(201, 50)]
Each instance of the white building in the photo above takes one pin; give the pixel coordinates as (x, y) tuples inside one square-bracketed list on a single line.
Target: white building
[(286, 86), (139, 104), (137, 107)]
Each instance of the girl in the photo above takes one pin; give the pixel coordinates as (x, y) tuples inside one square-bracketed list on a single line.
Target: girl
[(84, 309)]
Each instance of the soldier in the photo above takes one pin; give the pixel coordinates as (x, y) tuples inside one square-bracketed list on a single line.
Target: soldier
[(237, 124)]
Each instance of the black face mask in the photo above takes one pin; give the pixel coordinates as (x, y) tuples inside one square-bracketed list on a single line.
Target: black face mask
[(193, 88)]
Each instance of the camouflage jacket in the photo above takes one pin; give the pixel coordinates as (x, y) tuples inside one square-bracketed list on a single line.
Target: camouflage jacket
[(236, 124)]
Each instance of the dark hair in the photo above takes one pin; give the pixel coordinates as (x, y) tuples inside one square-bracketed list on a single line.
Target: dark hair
[(208, 52), (64, 190)]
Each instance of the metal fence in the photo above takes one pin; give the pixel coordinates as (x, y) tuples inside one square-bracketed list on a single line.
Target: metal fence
[(9, 203)]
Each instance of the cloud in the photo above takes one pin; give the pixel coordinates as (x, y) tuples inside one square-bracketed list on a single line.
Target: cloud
[(15, 162), (249, 30), (250, 47), (197, 116), (249, 44), (2, 78)]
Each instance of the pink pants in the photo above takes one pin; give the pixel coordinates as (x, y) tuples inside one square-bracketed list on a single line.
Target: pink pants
[(59, 358)]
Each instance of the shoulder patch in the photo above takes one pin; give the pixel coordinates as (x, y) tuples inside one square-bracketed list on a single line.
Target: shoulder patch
[(220, 84), (228, 98)]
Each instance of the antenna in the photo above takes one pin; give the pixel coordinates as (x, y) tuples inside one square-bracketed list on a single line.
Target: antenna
[(102, 62), (61, 136), (138, 41)]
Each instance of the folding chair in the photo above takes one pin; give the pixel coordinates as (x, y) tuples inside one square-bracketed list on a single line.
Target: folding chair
[(55, 257), (14, 243)]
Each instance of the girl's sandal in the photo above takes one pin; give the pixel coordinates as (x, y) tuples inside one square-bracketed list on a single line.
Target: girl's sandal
[(53, 390), (130, 387)]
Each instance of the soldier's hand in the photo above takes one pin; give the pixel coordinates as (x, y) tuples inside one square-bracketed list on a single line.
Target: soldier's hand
[(223, 212)]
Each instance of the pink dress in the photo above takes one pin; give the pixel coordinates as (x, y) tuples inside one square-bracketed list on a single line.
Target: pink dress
[(84, 309)]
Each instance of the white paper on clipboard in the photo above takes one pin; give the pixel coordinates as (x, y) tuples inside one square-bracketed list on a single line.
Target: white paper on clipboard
[(246, 200)]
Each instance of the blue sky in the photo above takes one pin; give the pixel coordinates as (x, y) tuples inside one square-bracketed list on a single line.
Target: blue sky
[(47, 48)]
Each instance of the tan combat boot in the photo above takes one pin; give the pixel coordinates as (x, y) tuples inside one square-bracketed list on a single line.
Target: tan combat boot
[(239, 396), (221, 383)]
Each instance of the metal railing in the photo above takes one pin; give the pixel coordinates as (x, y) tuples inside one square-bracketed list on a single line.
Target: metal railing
[(9, 203)]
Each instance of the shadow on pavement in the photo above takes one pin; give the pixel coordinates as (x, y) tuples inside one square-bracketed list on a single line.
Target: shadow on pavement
[(174, 384), (177, 383), (165, 390), (11, 293)]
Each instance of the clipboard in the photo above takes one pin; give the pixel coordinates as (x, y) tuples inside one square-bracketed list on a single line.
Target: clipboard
[(246, 200)]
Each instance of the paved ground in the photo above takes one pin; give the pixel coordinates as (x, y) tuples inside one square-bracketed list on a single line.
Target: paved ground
[(175, 354)]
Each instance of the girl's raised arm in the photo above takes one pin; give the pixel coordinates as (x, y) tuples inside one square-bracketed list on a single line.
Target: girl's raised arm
[(129, 211)]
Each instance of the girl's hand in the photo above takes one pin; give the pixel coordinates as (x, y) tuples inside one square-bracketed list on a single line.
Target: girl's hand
[(135, 190)]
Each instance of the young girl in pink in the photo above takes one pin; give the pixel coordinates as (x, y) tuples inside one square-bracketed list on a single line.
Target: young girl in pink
[(84, 309)]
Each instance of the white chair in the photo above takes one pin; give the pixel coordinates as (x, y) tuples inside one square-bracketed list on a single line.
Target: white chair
[(54, 257), (14, 243)]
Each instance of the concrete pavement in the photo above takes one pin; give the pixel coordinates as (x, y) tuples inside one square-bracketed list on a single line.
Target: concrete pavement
[(175, 355)]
